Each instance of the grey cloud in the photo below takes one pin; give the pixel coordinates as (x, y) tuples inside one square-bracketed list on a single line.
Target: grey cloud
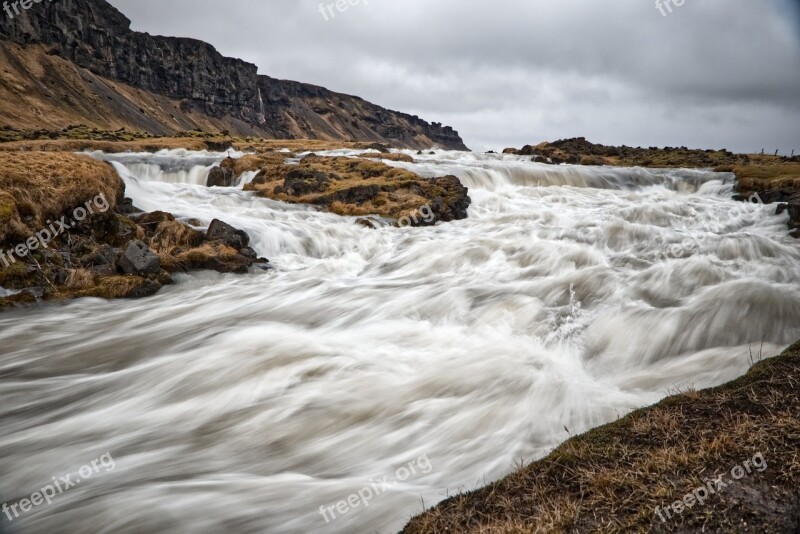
[(716, 73)]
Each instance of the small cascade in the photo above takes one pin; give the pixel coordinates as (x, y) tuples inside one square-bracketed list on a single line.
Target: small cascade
[(261, 116), (570, 296)]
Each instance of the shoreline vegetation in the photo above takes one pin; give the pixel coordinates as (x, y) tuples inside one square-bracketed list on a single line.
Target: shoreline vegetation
[(618, 477)]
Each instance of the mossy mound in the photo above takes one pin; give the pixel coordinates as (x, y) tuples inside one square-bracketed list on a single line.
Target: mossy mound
[(358, 186)]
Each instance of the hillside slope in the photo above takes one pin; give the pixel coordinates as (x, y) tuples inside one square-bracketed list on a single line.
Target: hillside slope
[(112, 76)]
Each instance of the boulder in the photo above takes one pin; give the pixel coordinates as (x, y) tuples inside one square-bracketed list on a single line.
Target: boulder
[(299, 182), (221, 177), (227, 234), (793, 208), (147, 288), (453, 204), (139, 259), (101, 256)]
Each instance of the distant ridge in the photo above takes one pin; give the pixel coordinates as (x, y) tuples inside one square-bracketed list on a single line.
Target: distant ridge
[(165, 85)]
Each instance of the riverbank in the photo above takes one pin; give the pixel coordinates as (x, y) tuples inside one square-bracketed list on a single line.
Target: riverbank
[(59, 242), (643, 472)]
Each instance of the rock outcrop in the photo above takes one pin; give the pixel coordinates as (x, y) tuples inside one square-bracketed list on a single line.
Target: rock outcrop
[(109, 251), (95, 36), (579, 151), (360, 187)]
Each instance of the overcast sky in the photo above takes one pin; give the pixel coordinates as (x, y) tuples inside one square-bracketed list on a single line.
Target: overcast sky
[(712, 73)]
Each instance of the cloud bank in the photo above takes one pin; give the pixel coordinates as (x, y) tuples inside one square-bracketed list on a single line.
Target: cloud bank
[(711, 74)]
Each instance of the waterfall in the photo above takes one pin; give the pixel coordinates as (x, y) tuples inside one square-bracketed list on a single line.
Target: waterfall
[(262, 116), (569, 297)]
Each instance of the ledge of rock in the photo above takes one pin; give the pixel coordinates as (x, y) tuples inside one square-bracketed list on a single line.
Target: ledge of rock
[(359, 187), (111, 253)]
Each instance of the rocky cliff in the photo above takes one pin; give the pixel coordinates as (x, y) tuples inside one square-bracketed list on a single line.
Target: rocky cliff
[(95, 36)]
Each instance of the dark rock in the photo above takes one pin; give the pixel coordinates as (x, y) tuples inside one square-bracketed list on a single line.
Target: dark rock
[(127, 207), (793, 208), (153, 219), (772, 196), (104, 270), (510, 151), (221, 177), (164, 278), (299, 182), (455, 201), (224, 232), (352, 195), (218, 146), (249, 253), (103, 255), (380, 147), (139, 259), (147, 288)]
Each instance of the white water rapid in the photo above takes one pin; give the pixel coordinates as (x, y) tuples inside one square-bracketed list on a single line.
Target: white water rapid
[(570, 296)]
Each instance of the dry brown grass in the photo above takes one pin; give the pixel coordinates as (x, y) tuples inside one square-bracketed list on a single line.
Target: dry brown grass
[(262, 147), (171, 235), (255, 162), (82, 145), (613, 478), (37, 187), (767, 175), (400, 192), (389, 157), (295, 145), (80, 279)]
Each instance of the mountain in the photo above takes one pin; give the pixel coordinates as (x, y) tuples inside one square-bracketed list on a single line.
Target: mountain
[(79, 61)]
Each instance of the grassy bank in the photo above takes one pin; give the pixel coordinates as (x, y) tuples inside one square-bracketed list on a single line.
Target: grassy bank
[(615, 478), (67, 231)]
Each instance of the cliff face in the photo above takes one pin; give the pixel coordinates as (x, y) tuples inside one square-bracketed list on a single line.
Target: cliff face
[(96, 36), (293, 108)]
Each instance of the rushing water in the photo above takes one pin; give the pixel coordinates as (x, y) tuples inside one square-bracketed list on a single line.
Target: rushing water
[(570, 296)]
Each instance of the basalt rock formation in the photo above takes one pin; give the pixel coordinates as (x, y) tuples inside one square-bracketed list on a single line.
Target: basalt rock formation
[(165, 84)]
